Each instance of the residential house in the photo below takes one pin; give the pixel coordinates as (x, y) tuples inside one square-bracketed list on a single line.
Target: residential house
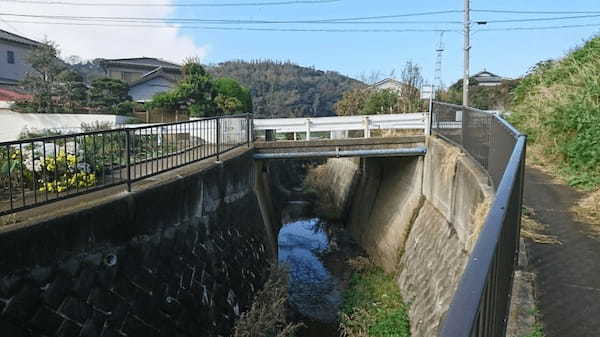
[(13, 58), (146, 76), (388, 84), (488, 79)]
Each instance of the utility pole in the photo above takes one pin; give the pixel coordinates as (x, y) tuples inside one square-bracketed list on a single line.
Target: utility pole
[(467, 51)]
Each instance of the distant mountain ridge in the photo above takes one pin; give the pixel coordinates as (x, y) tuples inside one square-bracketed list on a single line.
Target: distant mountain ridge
[(279, 89), (285, 89)]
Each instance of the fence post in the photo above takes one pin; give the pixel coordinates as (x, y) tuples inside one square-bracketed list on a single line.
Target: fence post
[(429, 119), (218, 138), (367, 130), (307, 129), (248, 128), (128, 158)]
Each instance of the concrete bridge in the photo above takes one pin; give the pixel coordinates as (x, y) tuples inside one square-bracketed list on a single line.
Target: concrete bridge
[(184, 251)]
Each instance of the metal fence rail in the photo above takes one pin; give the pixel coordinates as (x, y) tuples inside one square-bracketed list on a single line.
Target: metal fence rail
[(365, 123), (480, 305), (38, 171)]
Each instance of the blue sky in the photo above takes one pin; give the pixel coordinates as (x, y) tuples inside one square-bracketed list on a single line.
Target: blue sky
[(506, 53)]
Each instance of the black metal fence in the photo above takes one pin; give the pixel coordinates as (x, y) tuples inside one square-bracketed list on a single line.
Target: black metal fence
[(42, 170), (481, 303)]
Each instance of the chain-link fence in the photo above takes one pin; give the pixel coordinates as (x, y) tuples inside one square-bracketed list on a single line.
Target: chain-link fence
[(480, 305)]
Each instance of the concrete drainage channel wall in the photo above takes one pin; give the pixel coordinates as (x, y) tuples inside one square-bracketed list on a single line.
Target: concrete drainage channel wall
[(183, 258), (418, 218)]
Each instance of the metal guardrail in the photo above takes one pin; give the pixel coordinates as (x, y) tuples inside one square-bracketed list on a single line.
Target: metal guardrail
[(480, 305), (39, 171), (366, 123)]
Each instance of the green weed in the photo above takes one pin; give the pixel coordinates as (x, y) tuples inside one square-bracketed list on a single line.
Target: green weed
[(538, 331), (558, 106), (373, 306)]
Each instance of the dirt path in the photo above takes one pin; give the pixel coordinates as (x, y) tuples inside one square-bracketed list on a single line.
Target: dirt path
[(568, 275)]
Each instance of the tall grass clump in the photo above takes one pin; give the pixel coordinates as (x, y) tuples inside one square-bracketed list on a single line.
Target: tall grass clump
[(558, 105), (267, 317)]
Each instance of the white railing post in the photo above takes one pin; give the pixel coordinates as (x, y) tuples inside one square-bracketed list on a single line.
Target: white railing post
[(339, 126)]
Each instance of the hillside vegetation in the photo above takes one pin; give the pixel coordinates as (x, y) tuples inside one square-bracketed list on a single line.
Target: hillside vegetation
[(558, 106), (284, 89), (481, 97)]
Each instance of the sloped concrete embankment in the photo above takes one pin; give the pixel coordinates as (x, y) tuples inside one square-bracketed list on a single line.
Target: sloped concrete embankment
[(418, 218), (182, 258)]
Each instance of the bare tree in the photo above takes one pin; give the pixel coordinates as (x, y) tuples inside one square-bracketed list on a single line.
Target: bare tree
[(371, 78), (412, 81)]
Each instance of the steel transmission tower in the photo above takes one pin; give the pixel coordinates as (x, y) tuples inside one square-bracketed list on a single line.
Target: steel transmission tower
[(437, 80)]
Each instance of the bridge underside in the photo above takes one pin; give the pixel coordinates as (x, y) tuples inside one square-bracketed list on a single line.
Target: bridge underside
[(331, 148)]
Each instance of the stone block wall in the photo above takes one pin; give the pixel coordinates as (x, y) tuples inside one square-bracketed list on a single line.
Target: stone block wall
[(430, 270), (179, 259)]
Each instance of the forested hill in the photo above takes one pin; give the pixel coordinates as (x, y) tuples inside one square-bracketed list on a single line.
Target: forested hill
[(285, 89)]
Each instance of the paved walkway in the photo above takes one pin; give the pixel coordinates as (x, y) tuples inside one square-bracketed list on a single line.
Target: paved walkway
[(568, 275)]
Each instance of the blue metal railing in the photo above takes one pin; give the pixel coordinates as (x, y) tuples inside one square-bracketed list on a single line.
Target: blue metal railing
[(481, 303)]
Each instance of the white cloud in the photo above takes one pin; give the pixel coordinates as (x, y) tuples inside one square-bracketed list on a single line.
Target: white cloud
[(89, 42)]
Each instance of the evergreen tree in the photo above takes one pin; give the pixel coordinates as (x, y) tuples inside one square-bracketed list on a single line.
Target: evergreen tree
[(42, 83)]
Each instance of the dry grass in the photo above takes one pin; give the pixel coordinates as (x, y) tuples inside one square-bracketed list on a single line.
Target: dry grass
[(396, 132), (532, 229), (448, 166), (8, 220), (360, 263), (268, 315), (587, 210), (537, 158), (478, 216)]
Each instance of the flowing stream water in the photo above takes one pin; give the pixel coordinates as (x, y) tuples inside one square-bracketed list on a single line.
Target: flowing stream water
[(317, 271)]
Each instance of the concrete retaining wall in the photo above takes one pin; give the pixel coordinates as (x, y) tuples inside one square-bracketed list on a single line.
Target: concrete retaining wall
[(182, 258), (418, 218), (386, 197)]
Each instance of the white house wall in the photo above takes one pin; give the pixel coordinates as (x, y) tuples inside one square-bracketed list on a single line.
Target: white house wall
[(389, 86), (13, 123)]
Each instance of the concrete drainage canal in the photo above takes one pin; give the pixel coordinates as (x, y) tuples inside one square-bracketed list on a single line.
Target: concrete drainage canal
[(310, 250), (416, 219)]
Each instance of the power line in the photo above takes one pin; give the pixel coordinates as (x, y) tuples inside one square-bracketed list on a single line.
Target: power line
[(155, 19), (351, 20), (502, 11), (349, 30), (359, 20), (192, 4), (556, 27), (11, 26), (559, 18), (326, 30)]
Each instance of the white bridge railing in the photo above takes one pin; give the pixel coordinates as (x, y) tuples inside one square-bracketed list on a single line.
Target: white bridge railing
[(343, 123)]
